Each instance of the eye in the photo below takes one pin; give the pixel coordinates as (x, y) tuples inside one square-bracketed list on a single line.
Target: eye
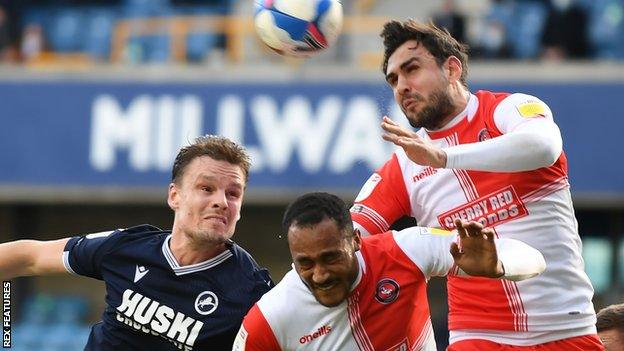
[(207, 189), (305, 265), (234, 194), (392, 81), (333, 258)]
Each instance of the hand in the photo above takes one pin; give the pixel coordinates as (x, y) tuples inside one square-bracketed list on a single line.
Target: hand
[(419, 150), (476, 253)]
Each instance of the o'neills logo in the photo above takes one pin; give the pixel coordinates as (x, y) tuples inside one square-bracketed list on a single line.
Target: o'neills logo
[(490, 210), (324, 330), (429, 171)]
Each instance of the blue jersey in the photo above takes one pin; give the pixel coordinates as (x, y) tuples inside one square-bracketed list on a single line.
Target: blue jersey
[(153, 303)]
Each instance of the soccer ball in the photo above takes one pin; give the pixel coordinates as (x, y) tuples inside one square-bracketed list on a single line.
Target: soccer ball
[(298, 28)]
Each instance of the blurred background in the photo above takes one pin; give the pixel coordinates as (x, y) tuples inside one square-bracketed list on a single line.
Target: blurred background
[(96, 96)]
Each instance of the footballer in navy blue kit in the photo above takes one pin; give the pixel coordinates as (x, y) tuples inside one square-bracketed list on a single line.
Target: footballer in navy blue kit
[(202, 311), (184, 289)]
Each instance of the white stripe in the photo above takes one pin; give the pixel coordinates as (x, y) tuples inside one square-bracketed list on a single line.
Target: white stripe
[(516, 305), (66, 263), (424, 335), (523, 314), (362, 340), (465, 180), (371, 214), (546, 189), (182, 270), (511, 305), (469, 186), (462, 184)]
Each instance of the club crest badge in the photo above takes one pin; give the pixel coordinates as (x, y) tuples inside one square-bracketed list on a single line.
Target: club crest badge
[(206, 303), (484, 135), (387, 291)]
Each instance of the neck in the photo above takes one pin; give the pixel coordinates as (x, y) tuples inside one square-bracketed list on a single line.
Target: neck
[(188, 252), (459, 99)]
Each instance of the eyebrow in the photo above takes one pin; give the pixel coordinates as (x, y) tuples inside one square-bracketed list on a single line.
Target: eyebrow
[(210, 178), (402, 67)]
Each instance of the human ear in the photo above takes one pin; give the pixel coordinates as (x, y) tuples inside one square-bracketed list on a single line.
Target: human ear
[(173, 196), (454, 68)]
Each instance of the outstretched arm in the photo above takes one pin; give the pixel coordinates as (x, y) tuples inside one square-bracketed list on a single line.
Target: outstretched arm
[(532, 145), (477, 253), (31, 257)]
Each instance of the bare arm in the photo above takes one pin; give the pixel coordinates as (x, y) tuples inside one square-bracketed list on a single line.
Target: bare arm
[(31, 257)]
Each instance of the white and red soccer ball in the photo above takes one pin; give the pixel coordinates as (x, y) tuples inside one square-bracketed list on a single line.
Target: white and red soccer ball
[(298, 27)]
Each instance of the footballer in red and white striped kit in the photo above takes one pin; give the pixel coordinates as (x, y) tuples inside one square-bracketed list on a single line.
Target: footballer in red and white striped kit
[(350, 294), (494, 158)]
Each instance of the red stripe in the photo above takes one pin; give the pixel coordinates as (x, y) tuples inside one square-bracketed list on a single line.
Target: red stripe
[(316, 34), (357, 330), (424, 335), (546, 189)]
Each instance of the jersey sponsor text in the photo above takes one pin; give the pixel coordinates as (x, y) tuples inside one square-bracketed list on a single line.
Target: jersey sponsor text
[(151, 317), (490, 210)]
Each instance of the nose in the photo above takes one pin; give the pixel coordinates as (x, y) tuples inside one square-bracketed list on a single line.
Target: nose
[(219, 200), (320, 275), (402, 85)]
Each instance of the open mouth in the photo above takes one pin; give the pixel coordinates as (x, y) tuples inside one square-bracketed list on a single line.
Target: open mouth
[(326, 287), (218, 219)]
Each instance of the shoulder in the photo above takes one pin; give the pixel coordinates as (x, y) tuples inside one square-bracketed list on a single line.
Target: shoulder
[(113, 238), (375, 245), (249, 268), (285, 299), (138, 233), (524, 105), (243, 258)]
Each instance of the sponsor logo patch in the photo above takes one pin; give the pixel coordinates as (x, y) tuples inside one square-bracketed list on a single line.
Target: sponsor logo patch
[(387, 291), (490, 210), (531, 109)]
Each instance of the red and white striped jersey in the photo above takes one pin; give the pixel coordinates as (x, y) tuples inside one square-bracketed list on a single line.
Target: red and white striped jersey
[(532, 206), (387, 308)]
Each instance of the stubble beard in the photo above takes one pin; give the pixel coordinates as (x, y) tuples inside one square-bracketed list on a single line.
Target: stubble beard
[(433, 113), (207, 237)]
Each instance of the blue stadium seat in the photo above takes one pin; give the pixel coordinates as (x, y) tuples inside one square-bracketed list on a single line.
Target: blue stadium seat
[(526, 28), (145, 8), (65, 30), (98, 33), (199, 42), (198, 45), (606, 28)]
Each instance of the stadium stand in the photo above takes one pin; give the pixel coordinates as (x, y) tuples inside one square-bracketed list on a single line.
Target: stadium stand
[(203, 49)]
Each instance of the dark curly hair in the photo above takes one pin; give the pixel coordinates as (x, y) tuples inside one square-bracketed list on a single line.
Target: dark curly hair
[(312, 208), (437, 41), (611, 317)]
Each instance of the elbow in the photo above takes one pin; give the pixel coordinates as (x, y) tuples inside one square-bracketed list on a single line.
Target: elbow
[(547, 152)]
